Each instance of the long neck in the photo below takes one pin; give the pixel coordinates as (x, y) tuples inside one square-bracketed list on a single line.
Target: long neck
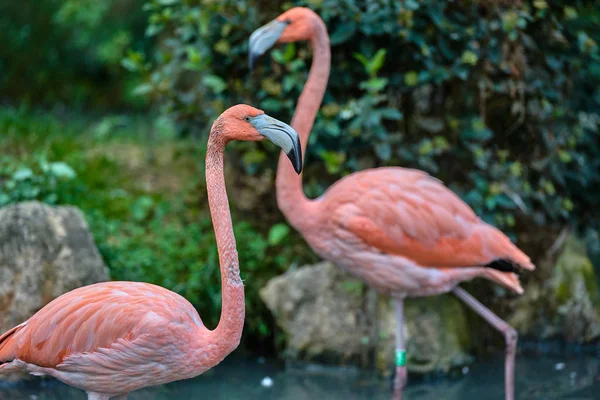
[(291, 199), (228, 332)]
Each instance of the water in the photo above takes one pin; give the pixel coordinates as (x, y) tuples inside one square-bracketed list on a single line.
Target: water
[(236, 378)]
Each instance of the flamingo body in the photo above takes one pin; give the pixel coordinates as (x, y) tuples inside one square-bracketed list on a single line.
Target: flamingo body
[(113, 338), (406, 234), (398, 229)]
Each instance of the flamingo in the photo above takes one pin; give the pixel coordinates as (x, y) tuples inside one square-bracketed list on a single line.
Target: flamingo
[(112, 338), (398, 229)]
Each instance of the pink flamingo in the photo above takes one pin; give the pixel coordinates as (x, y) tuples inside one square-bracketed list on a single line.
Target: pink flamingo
[(112, 338), (398, 229)]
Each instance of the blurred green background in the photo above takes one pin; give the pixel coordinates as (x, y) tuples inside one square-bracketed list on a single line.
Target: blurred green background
[(106, 105)]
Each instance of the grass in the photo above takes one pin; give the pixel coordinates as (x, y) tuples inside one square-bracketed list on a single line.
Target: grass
[(145, 202)]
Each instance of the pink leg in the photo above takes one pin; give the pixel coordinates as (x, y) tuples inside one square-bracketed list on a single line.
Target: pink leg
[(401, 374), (510, 334)]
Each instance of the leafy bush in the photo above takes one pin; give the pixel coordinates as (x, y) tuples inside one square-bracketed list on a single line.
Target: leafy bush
[(21, 183), (68, 51), (502, 103)]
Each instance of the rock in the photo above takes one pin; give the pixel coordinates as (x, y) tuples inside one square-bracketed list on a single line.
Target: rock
[(319, 309), (566, 303), (575, 291), (44, 252), (330, 317)]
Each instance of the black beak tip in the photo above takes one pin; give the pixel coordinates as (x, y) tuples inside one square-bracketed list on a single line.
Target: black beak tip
[(296, 160), (298, 167)]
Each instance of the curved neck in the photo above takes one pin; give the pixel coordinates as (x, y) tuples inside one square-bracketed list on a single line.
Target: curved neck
[(228, 332), (290, 197)]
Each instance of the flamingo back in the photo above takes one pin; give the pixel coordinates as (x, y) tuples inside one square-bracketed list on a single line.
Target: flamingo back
[(406, 212), (95, 317)]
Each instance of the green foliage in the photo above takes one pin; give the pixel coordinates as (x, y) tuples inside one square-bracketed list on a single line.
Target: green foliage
[(68, 51), (502, 103), (192, 75), (22, 183), (148, 215)]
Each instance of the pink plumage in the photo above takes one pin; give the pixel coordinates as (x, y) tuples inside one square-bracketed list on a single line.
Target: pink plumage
[(119, 336)]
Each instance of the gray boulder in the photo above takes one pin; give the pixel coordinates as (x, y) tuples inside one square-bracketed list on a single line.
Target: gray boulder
[(329, 317), (44, 252)]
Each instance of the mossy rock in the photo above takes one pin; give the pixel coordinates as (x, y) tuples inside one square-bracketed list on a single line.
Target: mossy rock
[(575, 293)]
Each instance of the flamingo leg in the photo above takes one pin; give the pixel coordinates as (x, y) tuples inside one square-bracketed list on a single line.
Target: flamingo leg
[(510, 335), (401, 373)]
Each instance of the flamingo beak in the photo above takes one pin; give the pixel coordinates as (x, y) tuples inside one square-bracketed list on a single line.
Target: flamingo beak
[(263, 39), (282, 135)]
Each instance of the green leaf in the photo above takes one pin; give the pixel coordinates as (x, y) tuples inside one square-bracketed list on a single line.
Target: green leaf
[(215, 83), (376, 62), (383, 151), (391, 114), (444, 48), (425, 147), (130, 64), (61, 170), (277, 55), (263, 329), (374, 84), (468, 57), (22, 174), (290, 52), (167, 2), (193, 55), (333, 160), (153, 30), (564, 156), (412, 4), (143, 89), (277, 233), (343, 32), (222, 46), (567, 204), (570, 13), (363, 60), (411, 78), (141, 208), (516, 169)]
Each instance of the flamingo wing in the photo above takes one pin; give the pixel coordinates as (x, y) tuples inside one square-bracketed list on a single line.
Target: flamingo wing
[(131, 318), (407, 212)]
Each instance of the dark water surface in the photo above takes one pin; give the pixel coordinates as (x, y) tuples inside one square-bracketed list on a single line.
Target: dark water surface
[(237, 378)]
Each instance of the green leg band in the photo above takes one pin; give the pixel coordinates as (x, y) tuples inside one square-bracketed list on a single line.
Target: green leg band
[(400, 358)]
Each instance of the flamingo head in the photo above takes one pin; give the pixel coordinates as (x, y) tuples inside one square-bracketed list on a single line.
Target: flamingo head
[(246, 123), (294, 25)]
